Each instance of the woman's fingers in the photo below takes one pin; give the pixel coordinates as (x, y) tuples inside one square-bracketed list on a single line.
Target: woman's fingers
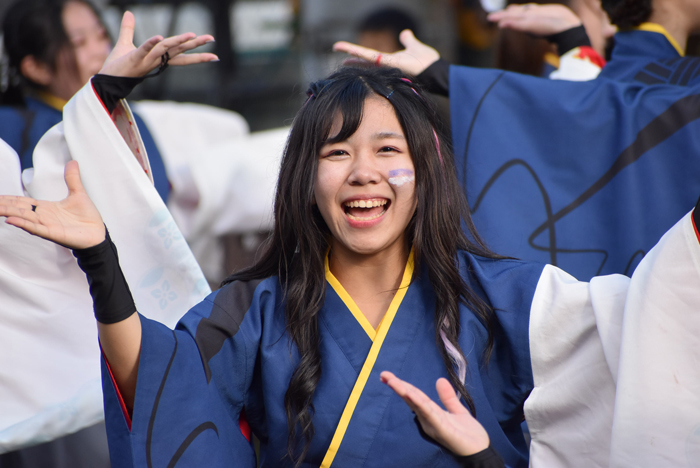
[(175, 47), (541, 20), (191, 59), (193, 43), (17, 207), (408, 39), (22, 213), (449, 398), (456, 429), (355, 50), (419, 402), (142, 53), (71, 174), (126, 31)]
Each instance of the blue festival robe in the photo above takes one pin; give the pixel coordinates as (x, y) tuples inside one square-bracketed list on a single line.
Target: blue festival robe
[(23, 127), (231, 353), (586, 176)]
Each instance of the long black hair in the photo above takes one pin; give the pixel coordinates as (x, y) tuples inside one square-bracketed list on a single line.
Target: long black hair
[(32, 27), (300, 238)]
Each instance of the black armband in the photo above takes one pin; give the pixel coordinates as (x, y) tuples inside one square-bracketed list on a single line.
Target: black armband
[(110, 89), (569, 39), (487, 458), (436, 78), (111, 297)]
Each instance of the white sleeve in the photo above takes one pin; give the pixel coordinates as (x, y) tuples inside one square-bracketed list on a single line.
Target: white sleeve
[(616, 363), (49, 354)]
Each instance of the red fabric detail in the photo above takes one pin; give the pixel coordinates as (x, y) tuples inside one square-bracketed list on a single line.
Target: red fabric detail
[(243, 424), (695, 228), (98, 98), (588, 53), (119, 395)]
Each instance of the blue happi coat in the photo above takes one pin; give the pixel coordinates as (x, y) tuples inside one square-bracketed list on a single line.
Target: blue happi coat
[(231, 354), (583, 175)]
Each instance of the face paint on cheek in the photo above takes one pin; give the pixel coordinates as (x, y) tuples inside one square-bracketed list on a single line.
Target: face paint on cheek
[(398, 177)]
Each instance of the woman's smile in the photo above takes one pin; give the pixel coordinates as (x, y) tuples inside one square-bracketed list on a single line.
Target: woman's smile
[(362, 210)]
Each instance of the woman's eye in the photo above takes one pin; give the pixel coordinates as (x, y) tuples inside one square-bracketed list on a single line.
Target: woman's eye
[(335, 153), (388, 149)]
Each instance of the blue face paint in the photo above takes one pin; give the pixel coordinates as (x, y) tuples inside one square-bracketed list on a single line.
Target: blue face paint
[(398, 177)]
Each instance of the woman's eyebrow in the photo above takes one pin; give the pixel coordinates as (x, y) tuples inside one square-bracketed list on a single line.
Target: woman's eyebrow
[(383, 135)]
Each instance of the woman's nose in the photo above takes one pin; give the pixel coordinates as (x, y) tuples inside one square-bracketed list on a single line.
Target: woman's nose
[(365, 171)]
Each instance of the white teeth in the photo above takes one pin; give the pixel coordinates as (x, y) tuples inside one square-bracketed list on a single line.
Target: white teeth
[(365, 203), (357, 218)]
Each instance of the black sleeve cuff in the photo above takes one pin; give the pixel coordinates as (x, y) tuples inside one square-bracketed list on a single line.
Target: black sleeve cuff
[(487, 458), (569, 39), (436, 78), (110, 89), (696, 215), (111, 297)]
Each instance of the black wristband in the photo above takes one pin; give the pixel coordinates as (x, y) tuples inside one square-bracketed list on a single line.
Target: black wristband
[(487, 458), (111, 89), (569, 39), (436, 78), (111, 297)]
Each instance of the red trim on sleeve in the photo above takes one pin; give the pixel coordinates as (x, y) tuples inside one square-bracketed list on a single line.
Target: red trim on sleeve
[(695, 228), (243, 424), (98, 98), (589, 53), (119, 395)]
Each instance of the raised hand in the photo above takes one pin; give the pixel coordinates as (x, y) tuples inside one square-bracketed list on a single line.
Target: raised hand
[(540, 20), (415, 58), (73, 222), (454, 428), (128, 60)]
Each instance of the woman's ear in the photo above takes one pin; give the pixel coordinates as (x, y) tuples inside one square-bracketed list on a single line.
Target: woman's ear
[(36, 71)]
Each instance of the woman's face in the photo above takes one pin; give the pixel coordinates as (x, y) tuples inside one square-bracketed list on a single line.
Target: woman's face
[(88, 37), (365, 186)]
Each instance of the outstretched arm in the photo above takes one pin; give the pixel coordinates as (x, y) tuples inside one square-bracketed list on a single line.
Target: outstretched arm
[(540, 20), (75, 223), (453, 427)]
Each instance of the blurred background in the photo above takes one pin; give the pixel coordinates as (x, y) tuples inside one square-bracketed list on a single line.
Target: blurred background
[(271, 49)]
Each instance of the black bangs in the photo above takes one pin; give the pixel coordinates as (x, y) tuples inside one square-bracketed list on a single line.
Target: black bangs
[(349, 102)]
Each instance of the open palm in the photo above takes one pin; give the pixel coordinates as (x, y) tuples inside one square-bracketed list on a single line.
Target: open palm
[(453, 427), (415, 58), (128, 60), (73, 222)]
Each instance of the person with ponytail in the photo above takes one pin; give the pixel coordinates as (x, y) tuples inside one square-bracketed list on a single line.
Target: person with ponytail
[(51, 48), (373, 299)]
